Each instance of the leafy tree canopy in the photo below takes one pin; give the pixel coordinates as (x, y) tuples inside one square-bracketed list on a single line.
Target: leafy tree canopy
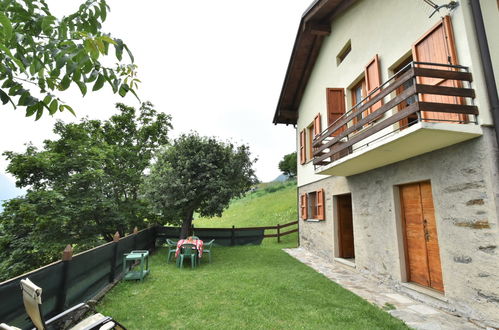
[(50, 54), (288, 165), (198, 174), (81, 187)]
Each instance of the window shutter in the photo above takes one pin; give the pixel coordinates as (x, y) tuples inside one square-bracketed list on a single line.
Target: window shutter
[(317, 125), (303, 206), (320, 205), (335, 98), (373, 81), (303, 157)]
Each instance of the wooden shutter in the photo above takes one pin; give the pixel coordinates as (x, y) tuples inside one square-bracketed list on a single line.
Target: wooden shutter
[(373, 80), (303, 157), (317, 125), (320, 205), (437, 46), (303, 206), (335, 98)]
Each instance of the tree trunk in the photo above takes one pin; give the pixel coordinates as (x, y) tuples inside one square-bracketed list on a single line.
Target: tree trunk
[(186, 224)]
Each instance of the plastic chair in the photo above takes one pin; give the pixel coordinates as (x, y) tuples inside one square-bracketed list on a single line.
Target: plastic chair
[(32, 298), (172, 248), (188, 251), (207, 249)]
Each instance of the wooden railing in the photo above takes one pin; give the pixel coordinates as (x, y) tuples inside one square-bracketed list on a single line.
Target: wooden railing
[(356, 125)]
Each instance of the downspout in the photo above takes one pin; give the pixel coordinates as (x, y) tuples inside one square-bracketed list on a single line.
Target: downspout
[(483, 49)]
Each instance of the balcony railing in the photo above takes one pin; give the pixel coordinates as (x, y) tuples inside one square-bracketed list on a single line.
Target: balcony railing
[(416, 93)]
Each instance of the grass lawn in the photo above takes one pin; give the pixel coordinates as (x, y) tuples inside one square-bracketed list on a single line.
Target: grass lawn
[(245, 287)]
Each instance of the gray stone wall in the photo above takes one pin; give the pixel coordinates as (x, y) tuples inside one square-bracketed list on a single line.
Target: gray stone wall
[(464, 180)]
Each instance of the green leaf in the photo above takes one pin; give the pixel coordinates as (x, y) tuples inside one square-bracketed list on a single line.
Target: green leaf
[(118, 46), (39, 112), (4, 97), (129, 53), (31, 110), (66, 80), (47, 99), (99, 83), (108, 40), (123, 90), (7, 26), (67, 107), (103, 10), (47, 22), (82, 86), (53, 107)]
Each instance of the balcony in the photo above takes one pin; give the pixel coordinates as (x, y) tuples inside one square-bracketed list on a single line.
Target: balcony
[(423, 107)]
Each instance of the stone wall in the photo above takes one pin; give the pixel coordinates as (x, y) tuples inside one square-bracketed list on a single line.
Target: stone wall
[(464, 180)]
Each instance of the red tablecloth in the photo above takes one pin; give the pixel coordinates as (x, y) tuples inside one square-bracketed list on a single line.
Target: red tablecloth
[(197, 242)]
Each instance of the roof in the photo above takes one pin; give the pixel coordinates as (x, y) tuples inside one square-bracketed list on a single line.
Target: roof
[(315, 25)]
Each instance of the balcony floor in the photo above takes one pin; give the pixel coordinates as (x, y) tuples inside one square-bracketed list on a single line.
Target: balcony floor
[(416, 140)]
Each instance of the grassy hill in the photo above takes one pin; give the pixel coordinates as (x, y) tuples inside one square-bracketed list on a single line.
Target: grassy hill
[(270, 204)]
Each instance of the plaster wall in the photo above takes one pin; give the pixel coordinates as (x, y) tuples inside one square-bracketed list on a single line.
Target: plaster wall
[(464, 197), (387, 28)]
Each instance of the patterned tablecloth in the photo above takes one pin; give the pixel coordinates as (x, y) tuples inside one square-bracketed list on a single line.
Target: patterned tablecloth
[(197, 242)]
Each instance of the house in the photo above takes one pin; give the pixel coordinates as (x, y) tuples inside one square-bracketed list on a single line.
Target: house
[(396, 114)]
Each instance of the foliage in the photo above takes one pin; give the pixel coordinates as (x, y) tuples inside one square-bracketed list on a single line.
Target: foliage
[(288, 164), (244, 287), (198, 174), (82, 186), (37, 49)]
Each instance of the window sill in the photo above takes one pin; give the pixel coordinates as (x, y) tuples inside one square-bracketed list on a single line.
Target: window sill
[(313, 220)]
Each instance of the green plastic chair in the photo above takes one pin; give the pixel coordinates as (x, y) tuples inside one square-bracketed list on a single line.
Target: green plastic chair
[(188, 251), (207, 249), (172, 248)]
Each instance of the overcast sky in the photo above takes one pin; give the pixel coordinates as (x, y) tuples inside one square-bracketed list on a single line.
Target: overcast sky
[(216, 66)]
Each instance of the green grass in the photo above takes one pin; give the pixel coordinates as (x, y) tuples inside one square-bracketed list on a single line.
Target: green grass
[(245, 287), (248, 287), (269, 205)]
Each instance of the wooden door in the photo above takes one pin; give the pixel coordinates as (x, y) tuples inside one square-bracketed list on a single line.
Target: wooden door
[(421, 240), (345, 227), (437, 46)]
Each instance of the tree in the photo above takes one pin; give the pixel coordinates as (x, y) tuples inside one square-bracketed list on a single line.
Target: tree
[(81, 187), (198, 174), (288, 165), (42, 51)]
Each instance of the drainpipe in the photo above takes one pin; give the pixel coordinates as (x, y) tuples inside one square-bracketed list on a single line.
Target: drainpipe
[(483, 48)]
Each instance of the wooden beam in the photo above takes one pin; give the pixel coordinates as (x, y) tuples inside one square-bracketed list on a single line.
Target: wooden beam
[(317, 29)]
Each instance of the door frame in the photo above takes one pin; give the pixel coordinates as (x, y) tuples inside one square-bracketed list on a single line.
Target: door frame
[(337, 226)]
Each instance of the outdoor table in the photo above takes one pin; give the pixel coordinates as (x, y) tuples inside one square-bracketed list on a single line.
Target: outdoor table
[(197, 242), (138, 255)]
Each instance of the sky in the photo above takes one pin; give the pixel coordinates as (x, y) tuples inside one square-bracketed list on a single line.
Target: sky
[(216, 66)]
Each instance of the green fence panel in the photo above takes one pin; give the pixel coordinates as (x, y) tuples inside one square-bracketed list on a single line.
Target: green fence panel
[(12, 309), (89, 273)]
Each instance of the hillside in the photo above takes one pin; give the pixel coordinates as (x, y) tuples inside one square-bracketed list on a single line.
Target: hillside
[(270, 204)]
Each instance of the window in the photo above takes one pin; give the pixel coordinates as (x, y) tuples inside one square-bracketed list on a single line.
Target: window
[(399, 70), (335, 100), (312, 205), (307, 136), (344, 52), (358, 92)]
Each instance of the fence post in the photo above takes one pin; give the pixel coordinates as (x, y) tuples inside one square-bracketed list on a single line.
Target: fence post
[(278, 233), (112, 274), (135, 231), (67, 256), (233, 236)]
